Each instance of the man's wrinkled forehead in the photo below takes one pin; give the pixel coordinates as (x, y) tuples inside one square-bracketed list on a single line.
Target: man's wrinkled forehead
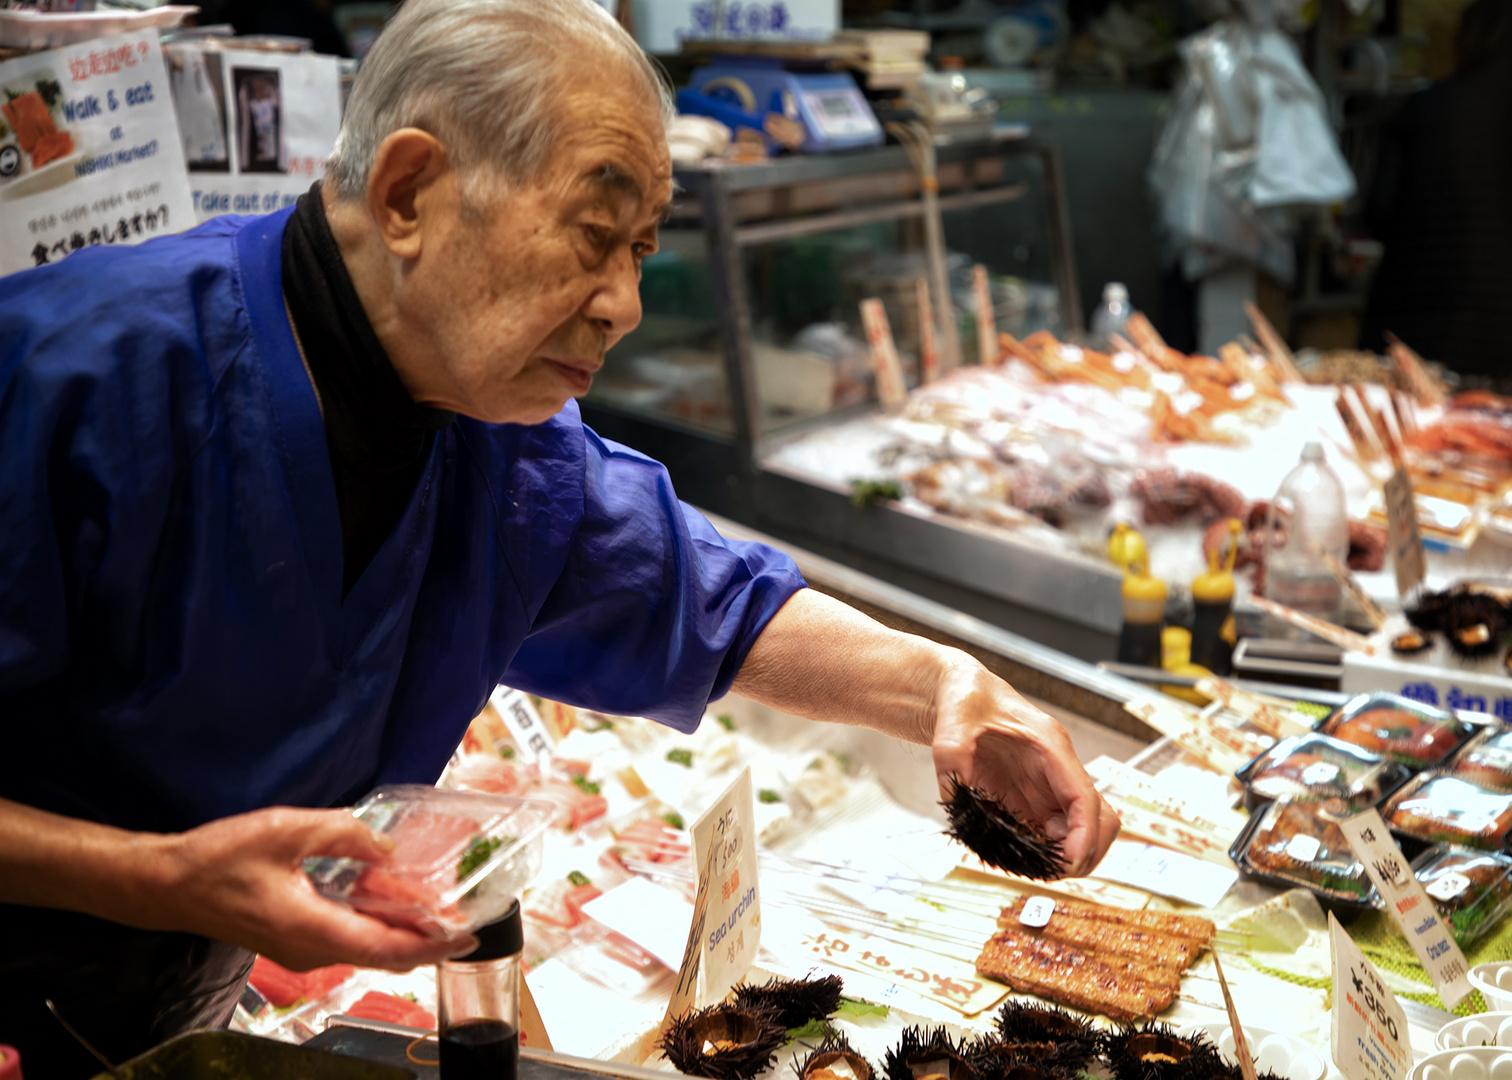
[(620, 184)]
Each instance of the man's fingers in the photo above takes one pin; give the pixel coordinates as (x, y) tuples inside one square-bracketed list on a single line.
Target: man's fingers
[(338, 834)]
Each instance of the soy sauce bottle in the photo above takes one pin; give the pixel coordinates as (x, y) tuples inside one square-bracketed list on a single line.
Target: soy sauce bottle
[(479, 1002)]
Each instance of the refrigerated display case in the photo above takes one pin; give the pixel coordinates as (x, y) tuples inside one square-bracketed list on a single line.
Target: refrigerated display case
[(751, 337)]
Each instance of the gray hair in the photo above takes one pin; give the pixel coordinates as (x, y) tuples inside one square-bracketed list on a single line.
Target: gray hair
[(482, 76)]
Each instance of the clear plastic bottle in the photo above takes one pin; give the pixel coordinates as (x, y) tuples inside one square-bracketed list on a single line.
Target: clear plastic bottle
[(1110, 316), (478, 998), (1308, 515)]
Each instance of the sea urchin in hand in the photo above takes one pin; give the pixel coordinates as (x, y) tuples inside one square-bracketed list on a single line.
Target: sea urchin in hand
[(998, 836)]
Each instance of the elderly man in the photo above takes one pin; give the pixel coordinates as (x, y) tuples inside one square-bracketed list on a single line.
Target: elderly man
[(286, 497)]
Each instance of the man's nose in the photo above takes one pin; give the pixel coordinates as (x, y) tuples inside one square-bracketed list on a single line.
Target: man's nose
[(616, 305)]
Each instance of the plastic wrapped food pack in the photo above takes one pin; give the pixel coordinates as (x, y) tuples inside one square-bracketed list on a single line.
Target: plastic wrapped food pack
[(1318, 767), (1471, 889), (1297, 842), (1437, 808), (1414, 734), (1486, 760)]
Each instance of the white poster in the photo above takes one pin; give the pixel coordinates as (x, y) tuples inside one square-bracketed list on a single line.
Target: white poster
[(258, 126), (89, 150), (661, 26)]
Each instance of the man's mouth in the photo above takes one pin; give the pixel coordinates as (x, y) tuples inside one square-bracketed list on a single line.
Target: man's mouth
[(578, 374)]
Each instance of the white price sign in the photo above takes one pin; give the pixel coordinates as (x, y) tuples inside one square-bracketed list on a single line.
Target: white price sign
[(1408, 904), (1370, 1039), (726, 930)]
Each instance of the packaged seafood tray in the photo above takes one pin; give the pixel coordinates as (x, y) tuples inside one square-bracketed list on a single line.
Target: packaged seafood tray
[(1486, 760), (1295, 842), (1471, 889), (1319, 767), (1417, 735), (460, 858), (1436, 808)]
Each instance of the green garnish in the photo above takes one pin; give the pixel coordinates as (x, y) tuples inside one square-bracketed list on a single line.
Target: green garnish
[(476, 855), (507, 752), (768, 795), (577, 877), (867, 492), (585, 785), (681, 757), (674, 819), (814, 1029), (726, 721), (849, 1007)]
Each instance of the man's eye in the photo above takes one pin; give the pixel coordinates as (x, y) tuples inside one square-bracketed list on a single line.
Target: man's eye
[(598, 235)]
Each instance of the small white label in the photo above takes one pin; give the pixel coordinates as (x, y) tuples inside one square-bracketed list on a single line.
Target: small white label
[(1303, 848), (1320, 773), (1071, 354), (1242, 391), (1447, 887), (1037, 911), (1124, 362)]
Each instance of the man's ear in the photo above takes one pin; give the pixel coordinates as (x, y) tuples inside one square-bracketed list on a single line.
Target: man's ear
[(403, 188)]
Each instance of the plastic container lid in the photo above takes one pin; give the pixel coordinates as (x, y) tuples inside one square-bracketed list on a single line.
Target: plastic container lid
[(1115, 292), (1312, 451), (461, 858)]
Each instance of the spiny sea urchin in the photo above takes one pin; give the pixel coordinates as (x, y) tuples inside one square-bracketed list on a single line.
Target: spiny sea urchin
[(997, 835)]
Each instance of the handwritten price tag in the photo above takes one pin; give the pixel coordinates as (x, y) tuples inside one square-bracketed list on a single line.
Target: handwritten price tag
[(724, 844), (1408, 905), (1402, 535), (1369, 1027), (950, 982)]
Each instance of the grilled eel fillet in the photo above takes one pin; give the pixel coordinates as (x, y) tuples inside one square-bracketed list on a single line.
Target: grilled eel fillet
[(1160, 922), (1068, 976), (1109, 941)]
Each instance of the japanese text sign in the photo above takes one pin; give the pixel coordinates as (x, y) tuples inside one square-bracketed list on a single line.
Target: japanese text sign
[(89, 150), (1370, 1039), (724, 846), (1409, 906), (524, 723), (949, 982)]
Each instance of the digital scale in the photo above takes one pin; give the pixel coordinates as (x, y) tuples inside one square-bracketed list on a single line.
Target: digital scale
[(739, 91)]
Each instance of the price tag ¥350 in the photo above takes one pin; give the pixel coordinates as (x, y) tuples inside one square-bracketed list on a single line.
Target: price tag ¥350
[(1370, 1039)]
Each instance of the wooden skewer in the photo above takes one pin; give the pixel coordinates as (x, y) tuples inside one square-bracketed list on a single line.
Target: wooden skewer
[(1275, 347)]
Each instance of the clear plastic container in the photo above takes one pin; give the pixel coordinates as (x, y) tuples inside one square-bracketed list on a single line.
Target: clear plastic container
[(1419, 736), (1318, 766), (1471, 889), (1445, 809), (1293, 842), (1110, 316), (460, 858), (1308, 517), (1486, 760)]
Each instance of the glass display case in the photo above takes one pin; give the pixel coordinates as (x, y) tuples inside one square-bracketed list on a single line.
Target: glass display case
[(752, 330)]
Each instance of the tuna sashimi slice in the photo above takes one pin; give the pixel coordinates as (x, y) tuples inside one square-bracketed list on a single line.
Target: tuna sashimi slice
[(278, 984), (394, 1010)]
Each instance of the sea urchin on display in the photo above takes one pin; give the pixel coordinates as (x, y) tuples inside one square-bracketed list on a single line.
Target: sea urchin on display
[(933, 1057), (833, 1059), (723, 1042), (1156, 1052), (1076, 1041), (997, 835), (793, 1002)]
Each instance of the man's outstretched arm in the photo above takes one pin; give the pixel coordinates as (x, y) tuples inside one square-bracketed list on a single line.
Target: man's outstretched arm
[(819, 658)]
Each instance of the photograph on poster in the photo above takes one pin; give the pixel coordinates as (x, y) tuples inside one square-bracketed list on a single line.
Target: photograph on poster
[(199, 97), (37, 151), (259, 120)]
